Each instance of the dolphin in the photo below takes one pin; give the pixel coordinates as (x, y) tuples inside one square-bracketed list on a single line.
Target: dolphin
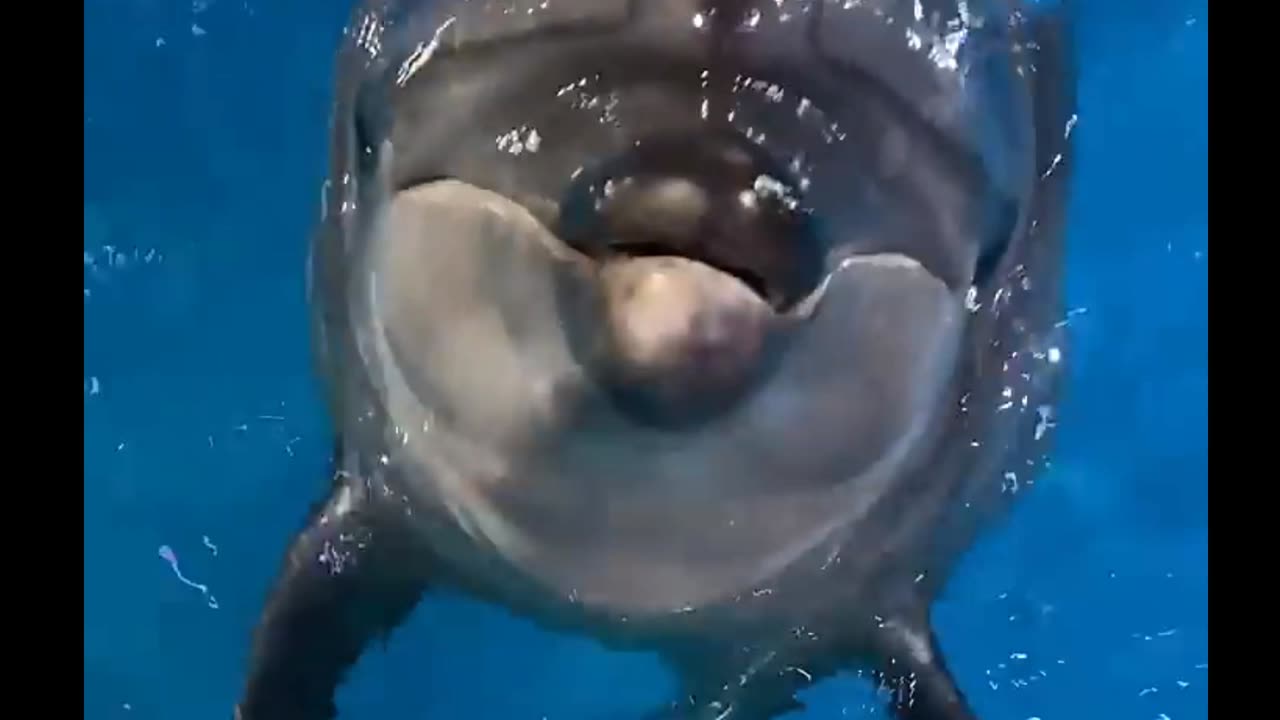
[(715, 328)]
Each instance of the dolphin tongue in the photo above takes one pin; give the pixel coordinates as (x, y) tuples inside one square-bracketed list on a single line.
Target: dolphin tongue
[(680, 341)]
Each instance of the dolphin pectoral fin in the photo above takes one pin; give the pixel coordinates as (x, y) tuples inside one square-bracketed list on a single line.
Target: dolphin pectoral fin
[(353, 573), (915, 673)]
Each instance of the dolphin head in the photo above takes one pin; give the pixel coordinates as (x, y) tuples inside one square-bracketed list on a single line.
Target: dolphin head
[(708, 327), (665, 284)]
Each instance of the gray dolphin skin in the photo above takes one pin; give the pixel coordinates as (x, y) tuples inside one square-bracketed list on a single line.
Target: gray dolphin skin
[(714, 328)]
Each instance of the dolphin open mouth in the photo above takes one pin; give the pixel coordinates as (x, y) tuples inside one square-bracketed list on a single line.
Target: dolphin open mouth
[(699, 195), (668, 272), (710, 195)]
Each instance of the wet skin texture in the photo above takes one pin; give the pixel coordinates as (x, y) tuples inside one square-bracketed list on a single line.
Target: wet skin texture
[(730, 361)]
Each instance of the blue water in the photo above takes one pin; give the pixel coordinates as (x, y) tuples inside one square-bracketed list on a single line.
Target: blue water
[(204, 130)]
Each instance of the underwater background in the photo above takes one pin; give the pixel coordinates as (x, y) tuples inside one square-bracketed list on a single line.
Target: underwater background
[(204, 437)]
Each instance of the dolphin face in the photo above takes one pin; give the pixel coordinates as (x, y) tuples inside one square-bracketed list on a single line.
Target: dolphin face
[(717, 328), (657, 298)]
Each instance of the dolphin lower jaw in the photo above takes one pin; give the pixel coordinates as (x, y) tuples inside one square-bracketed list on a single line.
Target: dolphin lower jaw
[(438, 371), (514, 402)]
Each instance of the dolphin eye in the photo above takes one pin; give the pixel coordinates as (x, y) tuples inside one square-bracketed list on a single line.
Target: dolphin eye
[(706, 195)]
